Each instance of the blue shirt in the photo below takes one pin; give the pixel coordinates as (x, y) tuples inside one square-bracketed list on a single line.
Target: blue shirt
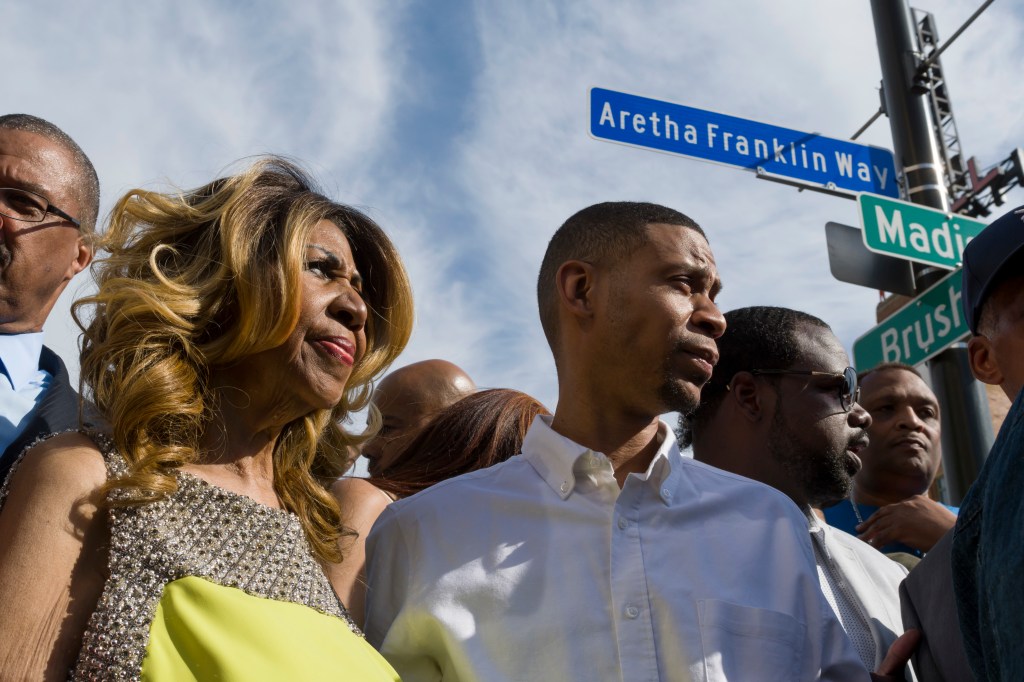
[(22, 383), (842, 516)]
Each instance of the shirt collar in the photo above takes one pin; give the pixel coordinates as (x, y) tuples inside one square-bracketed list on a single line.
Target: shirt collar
[(560, 461), (20, 354)]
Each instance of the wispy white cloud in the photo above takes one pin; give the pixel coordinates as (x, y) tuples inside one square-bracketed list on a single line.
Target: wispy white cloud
[(463, 129), (175, 93), (809, 66)]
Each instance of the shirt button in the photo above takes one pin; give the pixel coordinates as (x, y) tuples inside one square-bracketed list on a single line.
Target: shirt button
[(666, 493), (623, 523), (564, 487), (632, 612)]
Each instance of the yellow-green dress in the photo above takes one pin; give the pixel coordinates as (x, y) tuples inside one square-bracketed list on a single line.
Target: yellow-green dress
[(206, 584)]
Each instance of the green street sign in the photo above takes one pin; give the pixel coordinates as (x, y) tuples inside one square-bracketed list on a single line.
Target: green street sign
[(924, 327), (917, 233)]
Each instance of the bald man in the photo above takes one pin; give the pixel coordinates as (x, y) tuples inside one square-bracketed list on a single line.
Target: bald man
[(407, 399)]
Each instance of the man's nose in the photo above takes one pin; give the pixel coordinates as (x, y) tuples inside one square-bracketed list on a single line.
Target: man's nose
[(707, 316), (859, 417)]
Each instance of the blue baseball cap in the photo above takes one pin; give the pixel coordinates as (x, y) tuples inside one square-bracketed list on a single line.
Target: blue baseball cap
[(985, 257)]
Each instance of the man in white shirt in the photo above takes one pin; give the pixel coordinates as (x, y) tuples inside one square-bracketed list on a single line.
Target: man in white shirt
[(600, 553), (782, 409), (49, 201)]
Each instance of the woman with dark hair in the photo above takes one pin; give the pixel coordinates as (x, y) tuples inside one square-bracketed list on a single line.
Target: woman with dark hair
[(474, 433), (234, 328)]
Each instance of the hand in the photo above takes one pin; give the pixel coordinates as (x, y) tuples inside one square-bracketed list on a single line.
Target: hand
[(917, 521), (892, 666)]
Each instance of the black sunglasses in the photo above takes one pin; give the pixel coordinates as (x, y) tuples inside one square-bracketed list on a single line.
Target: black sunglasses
[(849, 392)]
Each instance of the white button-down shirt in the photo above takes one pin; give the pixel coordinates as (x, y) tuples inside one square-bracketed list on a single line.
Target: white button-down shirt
[(541, 568)]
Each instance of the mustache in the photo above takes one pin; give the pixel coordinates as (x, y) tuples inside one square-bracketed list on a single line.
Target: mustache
[(860, 438)]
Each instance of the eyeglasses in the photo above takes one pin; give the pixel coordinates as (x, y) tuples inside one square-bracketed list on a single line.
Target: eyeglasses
[(849, 391), (29, 207)]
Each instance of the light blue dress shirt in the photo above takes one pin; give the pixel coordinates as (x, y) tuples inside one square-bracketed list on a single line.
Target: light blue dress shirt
[(542, 568), (22, 383)]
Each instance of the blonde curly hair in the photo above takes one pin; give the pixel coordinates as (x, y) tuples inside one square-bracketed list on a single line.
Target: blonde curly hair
[(195, 280)]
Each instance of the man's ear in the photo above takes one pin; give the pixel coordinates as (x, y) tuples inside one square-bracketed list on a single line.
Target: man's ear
[(984, 363), (748, 395), (575, 281), (82, 257)]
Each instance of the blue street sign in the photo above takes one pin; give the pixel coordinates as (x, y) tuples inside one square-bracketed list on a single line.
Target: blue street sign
[(710, 136)]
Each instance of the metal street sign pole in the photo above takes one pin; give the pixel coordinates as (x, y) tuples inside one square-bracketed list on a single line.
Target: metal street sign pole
[(966, 424)]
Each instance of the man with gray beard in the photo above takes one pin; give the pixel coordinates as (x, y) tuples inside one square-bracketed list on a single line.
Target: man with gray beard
[(49, 202)]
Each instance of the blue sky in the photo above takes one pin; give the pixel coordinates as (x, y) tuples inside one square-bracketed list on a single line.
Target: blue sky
[(463, 129)]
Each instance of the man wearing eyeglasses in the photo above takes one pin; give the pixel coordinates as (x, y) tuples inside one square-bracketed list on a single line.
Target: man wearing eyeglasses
[(781, 408), (49, 201)]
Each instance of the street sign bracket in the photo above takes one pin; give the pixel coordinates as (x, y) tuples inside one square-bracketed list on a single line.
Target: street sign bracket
[(829, 188)]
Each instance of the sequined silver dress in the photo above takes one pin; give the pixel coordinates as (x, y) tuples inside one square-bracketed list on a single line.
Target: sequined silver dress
[(225, 540)]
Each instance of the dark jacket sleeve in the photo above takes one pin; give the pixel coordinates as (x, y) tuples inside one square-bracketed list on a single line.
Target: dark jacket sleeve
[(57, 411), (928, 603)]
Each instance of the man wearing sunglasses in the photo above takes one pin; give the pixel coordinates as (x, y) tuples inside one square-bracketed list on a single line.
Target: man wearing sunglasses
[(49, 201), (781, 408)]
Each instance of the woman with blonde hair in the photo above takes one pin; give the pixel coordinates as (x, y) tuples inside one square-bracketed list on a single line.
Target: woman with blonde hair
[(234, 329)]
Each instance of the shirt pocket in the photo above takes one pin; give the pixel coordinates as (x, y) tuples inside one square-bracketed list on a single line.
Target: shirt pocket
[(743, 643)]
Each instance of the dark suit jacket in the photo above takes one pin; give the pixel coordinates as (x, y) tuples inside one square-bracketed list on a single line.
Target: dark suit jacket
[(928, 604), (57, 411)]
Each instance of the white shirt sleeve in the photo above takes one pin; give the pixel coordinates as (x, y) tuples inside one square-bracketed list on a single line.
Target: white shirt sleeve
[(392, 625)]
